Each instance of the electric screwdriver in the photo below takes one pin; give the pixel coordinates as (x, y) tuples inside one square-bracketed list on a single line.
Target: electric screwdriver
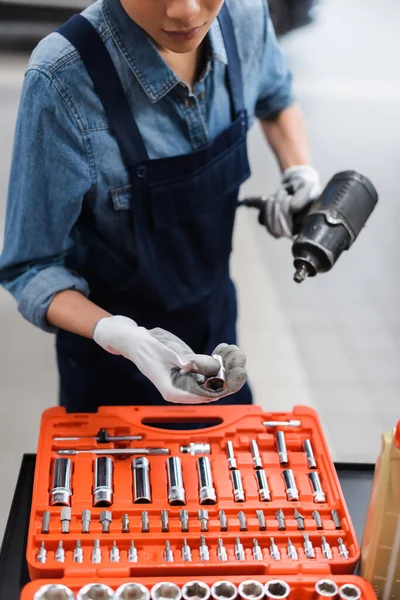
[(330, 225)]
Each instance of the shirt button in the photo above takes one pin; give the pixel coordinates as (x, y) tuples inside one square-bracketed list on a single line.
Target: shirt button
[(141, 171), (202, 95)]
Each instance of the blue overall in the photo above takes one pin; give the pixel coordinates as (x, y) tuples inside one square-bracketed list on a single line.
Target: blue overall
[(183, 211)]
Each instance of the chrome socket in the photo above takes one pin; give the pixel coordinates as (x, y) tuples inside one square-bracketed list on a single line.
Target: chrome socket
[(308, 449), (292, 492), (262, 484), (232, 464), (276, 588), (207, 493), (251, 590), (217, 383), (257, 462), (281, 447), (103, 481), (196, 590), (141, 480), (224, 590), (54, 591), (176, 490), (165, 590), (349, 591), (61, 492), (326, 588), (195, 448), (238, 491), (132, 591), (318, 493), (96, 591)]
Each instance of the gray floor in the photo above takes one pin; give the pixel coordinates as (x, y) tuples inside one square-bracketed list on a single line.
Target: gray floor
[(332, 343)]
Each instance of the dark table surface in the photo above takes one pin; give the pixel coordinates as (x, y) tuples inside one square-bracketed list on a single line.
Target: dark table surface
[(355, 479)]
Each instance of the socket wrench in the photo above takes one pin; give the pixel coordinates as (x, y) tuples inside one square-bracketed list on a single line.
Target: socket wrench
[(349, 591), (96, 591), (318, 493), (176, 490), (217, 383), (276, 588), (165, 590), (326, 588), (224, 590), (141, 480), (61, 492), (196, 590), (292, 492), (251, 590), (207, 493), (132, 591), (54, 591), (103, 489), (238, 491)]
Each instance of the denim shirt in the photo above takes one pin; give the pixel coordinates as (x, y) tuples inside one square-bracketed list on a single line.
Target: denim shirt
[(66, 162)]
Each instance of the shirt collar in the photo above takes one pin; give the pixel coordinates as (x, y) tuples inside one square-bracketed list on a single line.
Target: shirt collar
[(152, 72)]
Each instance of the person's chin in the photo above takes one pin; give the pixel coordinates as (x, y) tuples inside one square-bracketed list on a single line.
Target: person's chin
[(181, 43)]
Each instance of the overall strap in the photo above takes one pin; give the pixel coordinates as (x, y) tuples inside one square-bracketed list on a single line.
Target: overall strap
[(107, 84), (234, 64)]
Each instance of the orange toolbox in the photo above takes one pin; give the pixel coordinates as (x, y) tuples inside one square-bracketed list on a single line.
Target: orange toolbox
[(243, 495)]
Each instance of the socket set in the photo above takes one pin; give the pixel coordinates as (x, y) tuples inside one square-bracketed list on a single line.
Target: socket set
[(301, 587), (119, 493)]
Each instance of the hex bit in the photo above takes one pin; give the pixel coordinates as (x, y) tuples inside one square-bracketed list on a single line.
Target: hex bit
[(280, 517), (223, 521), (86, 516), (308, 547), (264, 493), (60, 553), (257, 552), (317, 518), (46, 522), (125, 523), (242, 521), (274, 550), (344, 553), (336, 519), (41, 556), (195, 448), (309, 452), (132, 553), (145, 522), (114, 553), (222, 554), (281, 448), (239, 550), (203, 550), (141, 480), (103, 487), (292, 492), (96, 552), (168, 554), (186, 551), (238, 491), (65, 518), (105, 520), (232, 463), (262, 524), (78, 552), (207, 493), (326, 549), (184, 519), (257, 461), (300, 519), (203, 518), (62, 483), (291, 550), (164, 521)]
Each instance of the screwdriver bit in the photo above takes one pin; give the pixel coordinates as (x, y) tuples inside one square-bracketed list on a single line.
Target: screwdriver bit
[(326, 549), (239, 550), (274, 550), (223, 520), (105, 520), (280, 517), (221, 551), (78, 552), (261, 520), (42, 554), (317, 518), (86, 521), (186, 551), (132, 553), (291, 550), (257, 552), (168, 554), (308, 547), (60, 553), (336, 519), (65, 518), (203, 550), (344, 553), (257, 461), (125, 523), (299, 518), (203, 518), (96, 552), (184, 519), (46, 522), (164, 521), (242, 521), (145, 522), (114, 553)]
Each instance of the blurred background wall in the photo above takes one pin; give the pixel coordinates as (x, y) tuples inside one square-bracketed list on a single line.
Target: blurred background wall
[(332, 343)]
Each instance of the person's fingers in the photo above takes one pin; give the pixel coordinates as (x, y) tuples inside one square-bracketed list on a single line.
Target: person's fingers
[(231, 355)]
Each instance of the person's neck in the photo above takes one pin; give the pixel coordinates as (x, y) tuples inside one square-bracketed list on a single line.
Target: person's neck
[(188, 66)]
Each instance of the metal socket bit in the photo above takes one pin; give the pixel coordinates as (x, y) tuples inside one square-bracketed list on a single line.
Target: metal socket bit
[(223, 521), (184, 519), (326, 549), (317, 518), (312, 463), (242, 521), (290, 423), (257, 462), (196, 590), (291, 550), (176, 490), (62, 482), (105, 520), (103, 481), (186, 551), (318, 493), (165, 590), (203, 550), (207, 493), (238, 491), (308, 547), (281, 448), (168, 554), (336, 519), (239, 550), (41, 556), (251, 590), (222, 554), (102, 437), (280, 517), (300, 519), (96, 552), (54, 591), (145, 522), (141, 480), (46, 522), (292, 493), (86, 516), (277, 588), (97, 591), (65, 518), (344, 553), (132, 591), (264, 493), (195, 448), (274, 550), (326, 588), (262, 524), (117, 451), (125, 523), (60, 553), (224, 590), (349, 591), (132, 553), (78, 552), (203, 518), (232, 464), (217, 383), (257, 552), (114, 553), (164, 521)]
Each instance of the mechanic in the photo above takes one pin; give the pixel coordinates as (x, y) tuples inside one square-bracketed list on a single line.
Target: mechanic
[(129, 152)]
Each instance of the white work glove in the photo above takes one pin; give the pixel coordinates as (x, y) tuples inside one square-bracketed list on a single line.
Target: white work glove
[(168, 362), (299, 187)]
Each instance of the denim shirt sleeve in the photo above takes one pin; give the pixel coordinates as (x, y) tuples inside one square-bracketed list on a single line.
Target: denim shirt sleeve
[(49, 177), (275, 91)]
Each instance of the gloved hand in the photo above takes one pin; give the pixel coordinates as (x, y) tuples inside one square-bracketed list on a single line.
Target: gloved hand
[(299, 187), (168, 362)]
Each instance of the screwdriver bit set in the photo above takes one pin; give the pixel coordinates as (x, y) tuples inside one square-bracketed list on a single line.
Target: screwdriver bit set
[(131, 492)]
